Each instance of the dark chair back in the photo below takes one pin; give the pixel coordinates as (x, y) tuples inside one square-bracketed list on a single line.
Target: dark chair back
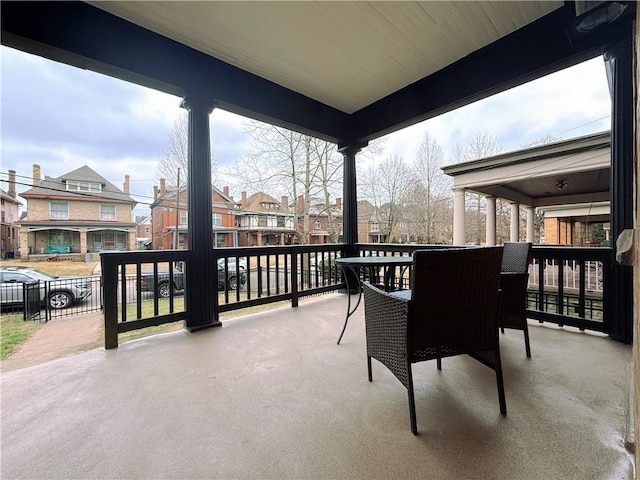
[(516, 257)]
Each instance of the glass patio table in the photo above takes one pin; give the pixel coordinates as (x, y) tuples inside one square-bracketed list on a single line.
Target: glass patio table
[(372, 266)]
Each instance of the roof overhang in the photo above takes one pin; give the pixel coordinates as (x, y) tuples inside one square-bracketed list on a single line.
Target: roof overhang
[(346, 72)]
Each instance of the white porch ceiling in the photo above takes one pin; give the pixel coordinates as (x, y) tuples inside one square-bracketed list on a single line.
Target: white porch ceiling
[(344, 54)]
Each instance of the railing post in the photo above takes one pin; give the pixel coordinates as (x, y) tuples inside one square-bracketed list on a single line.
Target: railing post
[(110, 301), (294, 279)]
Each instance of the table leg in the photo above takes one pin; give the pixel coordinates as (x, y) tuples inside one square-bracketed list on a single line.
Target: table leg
[(349, 311)]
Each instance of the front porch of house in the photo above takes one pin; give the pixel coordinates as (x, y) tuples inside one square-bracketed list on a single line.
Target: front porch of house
[(271, 395)]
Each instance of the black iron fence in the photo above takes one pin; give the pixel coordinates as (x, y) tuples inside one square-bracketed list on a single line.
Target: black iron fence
[(567, 285)]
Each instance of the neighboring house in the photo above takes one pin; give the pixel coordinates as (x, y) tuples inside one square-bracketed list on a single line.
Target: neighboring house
[(368, 228), (262, 220), (169, 213), (9, 215), (325, 221), (78, 212), (143, 232)]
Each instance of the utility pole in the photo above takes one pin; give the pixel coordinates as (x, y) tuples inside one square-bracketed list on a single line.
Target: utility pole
[(175, 236)]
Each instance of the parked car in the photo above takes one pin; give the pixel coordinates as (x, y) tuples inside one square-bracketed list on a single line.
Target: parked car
[(56, 292), (228, 278)]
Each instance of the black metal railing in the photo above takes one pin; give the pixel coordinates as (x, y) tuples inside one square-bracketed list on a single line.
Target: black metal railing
[(567, 285)]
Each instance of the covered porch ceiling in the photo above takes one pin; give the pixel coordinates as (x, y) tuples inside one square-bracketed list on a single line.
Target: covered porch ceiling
[(575, 171), (346, 72)]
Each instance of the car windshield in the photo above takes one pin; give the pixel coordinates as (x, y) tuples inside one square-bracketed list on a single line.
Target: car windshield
[(40, 275)]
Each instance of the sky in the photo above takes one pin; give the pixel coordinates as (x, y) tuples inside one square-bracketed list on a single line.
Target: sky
[(62, 118)]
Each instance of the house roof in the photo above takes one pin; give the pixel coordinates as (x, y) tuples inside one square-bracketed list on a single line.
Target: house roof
[(346, 72), (255, 204), (57, 187), (8, 198), (565, 172)]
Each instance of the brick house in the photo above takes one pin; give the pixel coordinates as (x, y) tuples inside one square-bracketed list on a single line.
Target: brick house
[(9, 216), (262, 220), (169, 212), (325, 221), (77, 213)]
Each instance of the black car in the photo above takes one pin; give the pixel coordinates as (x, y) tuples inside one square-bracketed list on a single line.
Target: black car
[(228, 278)]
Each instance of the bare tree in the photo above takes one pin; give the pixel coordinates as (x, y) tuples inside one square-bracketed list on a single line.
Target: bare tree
[(176, 155), (481, 145), (388, 187)]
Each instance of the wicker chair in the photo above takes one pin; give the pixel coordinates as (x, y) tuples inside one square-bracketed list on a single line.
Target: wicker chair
[(514, 278), (452, 309)]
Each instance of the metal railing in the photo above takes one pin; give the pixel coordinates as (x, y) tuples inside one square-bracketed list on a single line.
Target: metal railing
[(567, 285)]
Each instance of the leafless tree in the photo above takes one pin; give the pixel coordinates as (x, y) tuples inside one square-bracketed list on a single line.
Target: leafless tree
[(388, 186), (176, 155)]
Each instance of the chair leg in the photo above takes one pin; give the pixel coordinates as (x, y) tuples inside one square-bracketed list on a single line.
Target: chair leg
[(527, 346), (412, 405), (502, 329), (501, 396), (369, 368), (439, 363)]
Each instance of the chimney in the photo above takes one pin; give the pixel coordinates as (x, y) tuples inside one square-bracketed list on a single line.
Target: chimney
[(36, 175), (300, 205), (12, 184), (339, 203), (125, 186), (225, 190), (284, 202), (163, 187), (155, 192), (243, 201)]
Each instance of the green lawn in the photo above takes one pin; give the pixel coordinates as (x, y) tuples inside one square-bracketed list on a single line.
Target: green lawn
[(13, 332)]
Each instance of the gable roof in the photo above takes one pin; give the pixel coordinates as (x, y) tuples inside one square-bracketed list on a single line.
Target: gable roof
[(254, 203), (57, 188)]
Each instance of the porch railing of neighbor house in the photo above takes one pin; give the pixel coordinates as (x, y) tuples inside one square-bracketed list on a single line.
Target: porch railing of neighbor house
[(567, 285)]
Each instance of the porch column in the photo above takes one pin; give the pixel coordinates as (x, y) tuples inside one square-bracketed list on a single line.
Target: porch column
[(201, 275), (83, 240), (350, 196), (491, 220), (458, 216), (515, 222), (530, 224), (619, 59)]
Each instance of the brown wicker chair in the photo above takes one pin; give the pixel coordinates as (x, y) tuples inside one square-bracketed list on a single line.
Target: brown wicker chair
[(514, 278), (452, 309)]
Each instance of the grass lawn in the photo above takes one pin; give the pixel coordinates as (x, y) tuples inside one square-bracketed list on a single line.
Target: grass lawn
[(59, 269), (13, 332)]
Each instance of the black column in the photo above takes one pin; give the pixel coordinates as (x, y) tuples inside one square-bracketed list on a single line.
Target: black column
[(620, 58), (201, 274), (350, 198)]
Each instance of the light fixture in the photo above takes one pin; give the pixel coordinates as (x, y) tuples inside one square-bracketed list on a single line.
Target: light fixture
[(592, 14), (561, 184), (587, 17)]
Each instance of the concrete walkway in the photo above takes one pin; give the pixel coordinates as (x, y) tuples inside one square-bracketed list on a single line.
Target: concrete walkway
[(58, 338)]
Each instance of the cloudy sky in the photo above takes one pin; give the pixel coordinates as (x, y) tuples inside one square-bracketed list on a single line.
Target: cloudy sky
[(62, 118)]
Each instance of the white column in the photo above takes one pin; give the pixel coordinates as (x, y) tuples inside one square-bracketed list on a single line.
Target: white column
[(530, 224), (515, 222), (491, 220), (458, 216)]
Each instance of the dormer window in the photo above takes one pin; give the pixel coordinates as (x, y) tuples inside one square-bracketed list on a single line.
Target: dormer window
[(269, 206), (76, 186)]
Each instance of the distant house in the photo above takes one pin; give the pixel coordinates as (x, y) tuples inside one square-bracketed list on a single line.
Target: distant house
[(78, 212), (325, 221), (143, 232), (262, 220), (9, 216), (169, 214)]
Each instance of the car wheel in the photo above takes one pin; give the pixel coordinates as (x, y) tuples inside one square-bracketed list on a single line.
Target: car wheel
[(58, 300), (232, 283), (164, 290)]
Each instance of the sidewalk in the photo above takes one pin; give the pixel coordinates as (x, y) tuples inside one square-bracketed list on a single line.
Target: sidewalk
[(57, 338)]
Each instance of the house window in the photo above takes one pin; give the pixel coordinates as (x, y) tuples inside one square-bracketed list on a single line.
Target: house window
[(84, 187), (59, 211), (107, 212), (281, 221), (318, 225), (217, 218), (262, 221), (60, 237), (184, 217)]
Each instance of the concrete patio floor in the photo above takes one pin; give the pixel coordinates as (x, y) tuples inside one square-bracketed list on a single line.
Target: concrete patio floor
[(272, 396)]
